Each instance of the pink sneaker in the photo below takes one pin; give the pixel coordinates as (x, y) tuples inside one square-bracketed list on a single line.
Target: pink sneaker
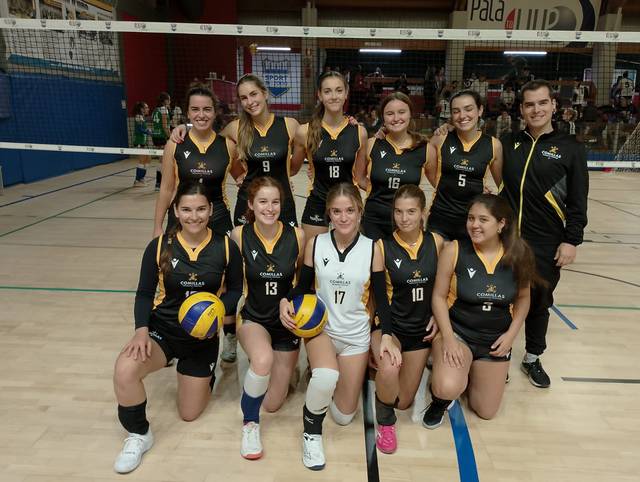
[(386, 440)]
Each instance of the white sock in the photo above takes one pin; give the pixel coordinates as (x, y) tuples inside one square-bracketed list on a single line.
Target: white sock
[(530, 358)]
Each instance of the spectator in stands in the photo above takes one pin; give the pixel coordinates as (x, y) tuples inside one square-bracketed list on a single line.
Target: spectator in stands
[(429, 90), (441, 81), (590, 112), (401, 84), (626, 110), (580, 94), (358, 90), (568, 123), (374, 122), (508, 98), (444, 109), (482, 87), (503, 123)]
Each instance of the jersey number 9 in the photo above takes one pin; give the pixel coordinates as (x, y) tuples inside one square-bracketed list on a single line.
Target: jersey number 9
[(266, 167)]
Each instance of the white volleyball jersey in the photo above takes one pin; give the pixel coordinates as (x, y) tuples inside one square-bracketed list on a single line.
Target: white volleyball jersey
[(342, 283)]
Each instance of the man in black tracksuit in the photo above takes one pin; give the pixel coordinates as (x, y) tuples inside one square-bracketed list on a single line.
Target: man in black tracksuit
[(546, 182)]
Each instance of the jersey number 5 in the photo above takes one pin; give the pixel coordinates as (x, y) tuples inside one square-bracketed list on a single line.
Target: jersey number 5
[(462, 180)]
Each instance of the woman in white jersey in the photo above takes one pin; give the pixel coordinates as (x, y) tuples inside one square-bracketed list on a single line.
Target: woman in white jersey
[(343, 263)]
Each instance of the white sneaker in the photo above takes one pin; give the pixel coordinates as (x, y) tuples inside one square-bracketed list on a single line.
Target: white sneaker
[(312, 451), (229, 348), (135, 445), (251, 446)]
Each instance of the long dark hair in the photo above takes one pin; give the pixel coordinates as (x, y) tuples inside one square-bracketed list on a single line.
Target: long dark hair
[(253, 188), (417, 139), (184, 189), (198, 88), (314, 132), (517, 254)]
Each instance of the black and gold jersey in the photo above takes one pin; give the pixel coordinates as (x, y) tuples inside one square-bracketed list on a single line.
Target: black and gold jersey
[(410, 273), (388, 168), (481, 295), (207, 163), (334, 160), (460, 175), (191, 270), (270, 268)]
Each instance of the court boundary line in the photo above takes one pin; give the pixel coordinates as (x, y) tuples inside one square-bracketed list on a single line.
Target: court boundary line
[(603, 276), (616, 208), (467, 467), (632, 381), (563, 317), (65, 211), (30, 197)]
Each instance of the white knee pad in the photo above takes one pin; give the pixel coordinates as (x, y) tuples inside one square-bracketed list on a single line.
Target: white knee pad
[(255, 385), (339, 417), (320, 390)]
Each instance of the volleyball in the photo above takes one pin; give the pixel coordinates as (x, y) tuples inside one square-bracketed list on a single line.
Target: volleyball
[(202, 315), (310, 315)]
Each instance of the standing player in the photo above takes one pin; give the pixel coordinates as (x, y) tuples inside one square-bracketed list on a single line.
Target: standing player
[(462, 158), (160, 130), (410, 259), (204, 157), (343, 263), (546, 183), (396, 160), (480, 300), (190, 258), (265, 145), (141, 134), (335, 149), (271, 250)]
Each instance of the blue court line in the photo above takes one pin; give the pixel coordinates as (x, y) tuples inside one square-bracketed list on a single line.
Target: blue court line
[(464, 448), (562, 316), (63, 188)]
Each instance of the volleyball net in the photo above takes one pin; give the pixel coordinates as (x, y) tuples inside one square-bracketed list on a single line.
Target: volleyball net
[(79, 86)]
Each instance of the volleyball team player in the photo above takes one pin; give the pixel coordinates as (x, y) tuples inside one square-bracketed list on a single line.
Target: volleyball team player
[(398, 159), (205, 157), (546, 182), (160, 130), (410, 257), (480, 300), (461, 159), (272, 252), (341, 264), (335, 149), (188, 259), (141, 135)]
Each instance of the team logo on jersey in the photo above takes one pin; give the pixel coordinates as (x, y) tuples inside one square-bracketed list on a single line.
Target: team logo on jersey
[(396, 165), (471, 272), (192, 281), (292, 224), (187, 154), (174, 263), (254, 253), (295, 341), (491, 288), (516, 145), (552, 153), (395, 169), (491, 292), (417, 274), (339, 280), (334, 152), (265, 151), (316, 218), (325, 261), (397, 262), (452, 149), (270, 272), (463, 165), (382, 154), (201, 169), (340, 275)]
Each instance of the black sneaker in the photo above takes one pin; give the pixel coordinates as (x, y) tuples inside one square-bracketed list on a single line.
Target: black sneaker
[(434, 414), (537, 376)]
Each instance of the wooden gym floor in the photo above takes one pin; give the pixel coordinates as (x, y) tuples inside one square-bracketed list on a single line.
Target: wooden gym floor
[(70, 249)]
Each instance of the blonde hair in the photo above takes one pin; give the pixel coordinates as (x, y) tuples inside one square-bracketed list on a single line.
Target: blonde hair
[(245, 124)]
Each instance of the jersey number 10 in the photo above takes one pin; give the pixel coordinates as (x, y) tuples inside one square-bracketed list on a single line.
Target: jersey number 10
[(417, 294)]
